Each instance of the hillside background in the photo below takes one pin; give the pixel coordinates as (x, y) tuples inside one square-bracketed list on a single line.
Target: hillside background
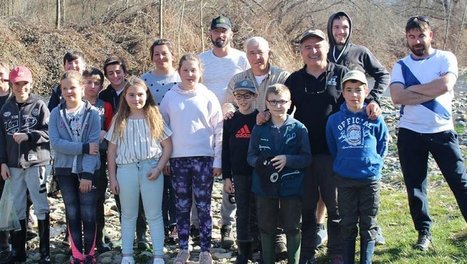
[(31, 34)]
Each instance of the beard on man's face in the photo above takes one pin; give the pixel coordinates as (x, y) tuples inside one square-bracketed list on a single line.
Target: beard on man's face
[(220, 43)]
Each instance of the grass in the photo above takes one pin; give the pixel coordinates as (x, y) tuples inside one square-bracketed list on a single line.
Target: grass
[(449, 229)]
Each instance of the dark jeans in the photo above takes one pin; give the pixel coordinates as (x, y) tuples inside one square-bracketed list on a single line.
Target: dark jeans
[(413, 149), (3, 234), (320, 176), (168, 203), (80, 214), (270, 209), (358, 203), (101, 187), (247, 225)]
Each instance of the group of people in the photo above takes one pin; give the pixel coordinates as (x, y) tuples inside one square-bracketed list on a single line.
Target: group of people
[(288, 146)]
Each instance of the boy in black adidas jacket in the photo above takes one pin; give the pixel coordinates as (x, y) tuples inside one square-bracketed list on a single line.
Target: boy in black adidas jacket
[(235, 141)]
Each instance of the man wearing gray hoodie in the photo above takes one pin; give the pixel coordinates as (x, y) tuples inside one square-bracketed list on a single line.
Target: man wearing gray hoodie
[(355, 57)]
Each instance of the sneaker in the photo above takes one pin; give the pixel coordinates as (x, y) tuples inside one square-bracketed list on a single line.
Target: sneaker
[(226, 240), (128, 260), (379, 239), (321, 235), (281, 251), (423, 241), (143, 243), (308, 261), (172, 237), (103, 247), (205, 258), (182, 257), (158, 260), (337, 259), (194, 233)]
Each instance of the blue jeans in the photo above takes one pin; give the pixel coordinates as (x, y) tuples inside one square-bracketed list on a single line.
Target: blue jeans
[(80, 215), (413, 149), (132, 180)]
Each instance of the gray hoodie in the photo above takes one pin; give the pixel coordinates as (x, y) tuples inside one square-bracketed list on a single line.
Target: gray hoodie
[(356, 57)]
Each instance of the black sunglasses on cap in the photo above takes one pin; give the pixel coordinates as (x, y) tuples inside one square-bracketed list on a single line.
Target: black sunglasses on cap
[(419, 18)]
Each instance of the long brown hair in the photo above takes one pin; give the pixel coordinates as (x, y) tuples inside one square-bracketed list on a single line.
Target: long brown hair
[(151, 112)]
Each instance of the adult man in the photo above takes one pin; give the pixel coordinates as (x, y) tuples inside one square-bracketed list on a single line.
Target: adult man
[(342, 51), (316, 93), (423, 84), (262, 74), (220, 64)]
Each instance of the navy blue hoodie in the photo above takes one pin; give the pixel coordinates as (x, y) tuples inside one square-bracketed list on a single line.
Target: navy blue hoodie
[(357, 144)]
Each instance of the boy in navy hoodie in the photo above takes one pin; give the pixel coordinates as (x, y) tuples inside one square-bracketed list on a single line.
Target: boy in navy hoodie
[(358, 146), (279, 151)]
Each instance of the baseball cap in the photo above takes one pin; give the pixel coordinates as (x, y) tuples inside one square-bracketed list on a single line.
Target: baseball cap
[(355, 75), (312, 33), (20, 74), (222, 22), (245, 85)]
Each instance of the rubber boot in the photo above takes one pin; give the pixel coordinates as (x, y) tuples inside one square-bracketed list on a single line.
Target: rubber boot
[(293, 247), (348, 251), (18, 244), (367, 248), (44, 240), (244, 252), (268, 244)]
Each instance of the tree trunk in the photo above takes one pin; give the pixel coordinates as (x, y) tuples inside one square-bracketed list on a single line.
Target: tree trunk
[(461, 29), (58, 17), (201, 23), (180, 26), (161, 19)]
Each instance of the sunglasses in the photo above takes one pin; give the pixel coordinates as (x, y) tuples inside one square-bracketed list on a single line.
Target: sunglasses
[(419, 18)]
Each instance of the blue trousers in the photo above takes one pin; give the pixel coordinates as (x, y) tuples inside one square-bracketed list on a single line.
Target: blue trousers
[(413, 149)]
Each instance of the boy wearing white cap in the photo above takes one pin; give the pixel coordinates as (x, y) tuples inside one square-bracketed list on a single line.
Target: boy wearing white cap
[(358, 146)]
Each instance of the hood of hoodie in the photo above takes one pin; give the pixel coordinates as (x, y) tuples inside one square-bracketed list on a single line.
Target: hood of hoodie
[(332, 41)]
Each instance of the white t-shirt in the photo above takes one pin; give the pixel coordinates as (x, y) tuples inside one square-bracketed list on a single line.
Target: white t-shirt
[(219, 70), (431, 117)]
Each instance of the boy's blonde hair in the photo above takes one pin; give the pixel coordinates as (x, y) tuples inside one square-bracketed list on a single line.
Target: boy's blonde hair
[(278, 89), (151, 112)]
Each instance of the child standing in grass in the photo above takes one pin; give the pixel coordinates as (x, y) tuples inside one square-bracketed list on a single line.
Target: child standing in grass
[(235, 168), (139, 148), (358, 146), (279, 151), (195, 117), (74, 134)]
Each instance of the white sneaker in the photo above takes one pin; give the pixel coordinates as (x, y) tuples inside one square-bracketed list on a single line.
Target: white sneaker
[(158, 260), (128, 260)]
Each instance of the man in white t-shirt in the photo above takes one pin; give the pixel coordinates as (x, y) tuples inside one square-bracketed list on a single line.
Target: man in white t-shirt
[(220, 64), (423, 84)]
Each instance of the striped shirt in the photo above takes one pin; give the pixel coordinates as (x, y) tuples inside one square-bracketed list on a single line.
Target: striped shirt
[(135, 144)]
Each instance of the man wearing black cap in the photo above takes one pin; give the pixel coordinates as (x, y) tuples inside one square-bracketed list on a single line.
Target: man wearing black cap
[(316, 94), (220, 64)]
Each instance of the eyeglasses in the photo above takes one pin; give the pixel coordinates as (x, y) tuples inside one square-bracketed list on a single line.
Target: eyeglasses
[(419, 18), (277, 102), (245, 96)]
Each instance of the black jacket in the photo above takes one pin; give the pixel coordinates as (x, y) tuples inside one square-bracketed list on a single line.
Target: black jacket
[(32, 118)]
